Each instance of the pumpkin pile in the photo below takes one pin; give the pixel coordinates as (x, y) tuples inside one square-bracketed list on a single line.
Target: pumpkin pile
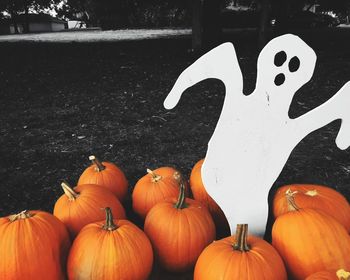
[(88, 235)]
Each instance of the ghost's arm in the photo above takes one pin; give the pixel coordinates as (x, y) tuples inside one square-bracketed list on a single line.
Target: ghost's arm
[(338, 107), (220, 63)]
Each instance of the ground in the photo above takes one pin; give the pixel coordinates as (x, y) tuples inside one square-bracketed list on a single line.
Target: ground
[(60, 103)]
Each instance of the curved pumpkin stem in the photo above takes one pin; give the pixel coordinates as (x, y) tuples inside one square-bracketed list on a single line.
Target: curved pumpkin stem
[(109, 225), (22, 215), (98, 164), (241, 242), (291, 202), (343, 275), (155, 176), (180, 204), (68, 190)]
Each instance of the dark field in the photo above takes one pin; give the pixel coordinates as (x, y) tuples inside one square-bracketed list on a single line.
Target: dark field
[(60, 103)]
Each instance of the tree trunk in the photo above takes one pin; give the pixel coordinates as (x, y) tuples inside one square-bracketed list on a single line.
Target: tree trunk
[(14, 21), (211, 23), (26, 18), (197, 22), (264, 27)]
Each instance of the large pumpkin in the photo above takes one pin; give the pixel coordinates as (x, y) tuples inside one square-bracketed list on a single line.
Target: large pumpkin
[(316, 197), (107, 175), (310, 241), (33, 245), (179, 230), (84, 204), (200, 194), (154, 187), (340, 274), (240, 257), (114, 249)]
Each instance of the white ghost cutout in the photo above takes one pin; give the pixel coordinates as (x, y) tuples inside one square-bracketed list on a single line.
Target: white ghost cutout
[(254, 135)]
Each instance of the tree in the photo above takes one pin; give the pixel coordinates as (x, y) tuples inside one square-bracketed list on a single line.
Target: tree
[(16, 7)]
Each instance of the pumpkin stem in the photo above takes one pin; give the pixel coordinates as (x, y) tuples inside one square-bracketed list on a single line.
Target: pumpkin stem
[(312, 193), (155, 177), (180, 204), (72, 195), (98, 164), (241, 243), (290, 200), (22, 215), (109, 225), (343, 275)]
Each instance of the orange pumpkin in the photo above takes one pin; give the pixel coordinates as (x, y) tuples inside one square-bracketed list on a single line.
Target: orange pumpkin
[(310, 241), (33, 245), (341, 274), (114, 249), (240, 257), (316, 197), (179, 230), (200, 194), (82, 205), (107, 175), (154, 187)]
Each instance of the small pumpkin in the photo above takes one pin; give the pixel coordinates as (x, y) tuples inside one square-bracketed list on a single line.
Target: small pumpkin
[(316, 197), (310, 240), (105, 174), (114, 249), (154, 187), (82, 205), (340, 274), (179, 230), (201, 195), (33, 245), (240, 257)]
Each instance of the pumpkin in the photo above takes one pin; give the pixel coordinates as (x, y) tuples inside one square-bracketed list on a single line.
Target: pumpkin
[(179, 230), (154, 187), (316, 197), (82, 205), (341, 274), (114, 249), (107, 175), (200, 194), (310, 240), (240, 257), (33, 245)]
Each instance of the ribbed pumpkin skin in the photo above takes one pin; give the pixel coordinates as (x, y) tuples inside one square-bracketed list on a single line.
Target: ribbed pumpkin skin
[(112, 178), (310, 241), (146, 193), (219, 261), (33, 248), (98, 254), (325, 199), (200, 194), (87, 208), (178, 236), (323, 275)]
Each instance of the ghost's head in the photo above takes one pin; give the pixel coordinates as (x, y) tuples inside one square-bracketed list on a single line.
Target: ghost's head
[(284, 65)]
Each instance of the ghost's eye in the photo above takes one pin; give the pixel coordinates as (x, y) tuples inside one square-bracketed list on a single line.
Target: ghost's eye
[(280, 58), (279, 79), (294, 64)]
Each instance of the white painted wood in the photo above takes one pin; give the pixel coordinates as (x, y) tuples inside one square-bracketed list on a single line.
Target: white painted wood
[(254, 135)]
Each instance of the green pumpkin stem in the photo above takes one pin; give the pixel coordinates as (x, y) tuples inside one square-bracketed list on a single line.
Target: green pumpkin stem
[(68, 190), (22, 215), (180, 204), (98, 164), (109, 225), (241, 243), (290, 200), (155, 176)]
